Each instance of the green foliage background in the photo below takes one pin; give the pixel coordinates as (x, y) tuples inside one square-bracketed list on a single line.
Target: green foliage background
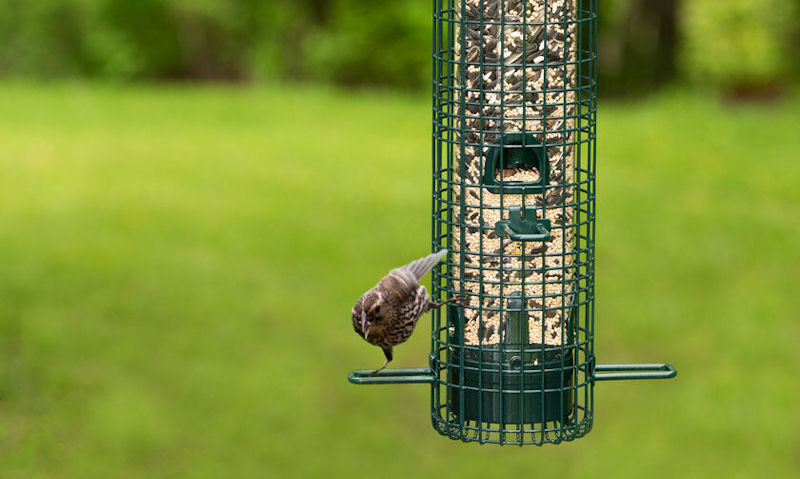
[(339, 41), (359, 42), (743, 41)]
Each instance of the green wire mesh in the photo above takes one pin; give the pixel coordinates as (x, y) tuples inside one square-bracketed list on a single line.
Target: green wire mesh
[(514, 203)]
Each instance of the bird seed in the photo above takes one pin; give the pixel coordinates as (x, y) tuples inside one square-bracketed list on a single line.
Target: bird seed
[(519, 77)]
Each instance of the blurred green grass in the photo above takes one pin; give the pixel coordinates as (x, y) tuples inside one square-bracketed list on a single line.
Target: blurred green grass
[(177, 267)]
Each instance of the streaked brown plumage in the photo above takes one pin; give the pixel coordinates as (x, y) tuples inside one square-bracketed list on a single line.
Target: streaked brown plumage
[(387, 314)]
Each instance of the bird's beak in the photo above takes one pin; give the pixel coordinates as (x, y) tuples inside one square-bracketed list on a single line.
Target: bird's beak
[(364, 324)]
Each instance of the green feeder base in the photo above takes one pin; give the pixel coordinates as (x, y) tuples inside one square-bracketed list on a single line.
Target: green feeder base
[(513, 386)]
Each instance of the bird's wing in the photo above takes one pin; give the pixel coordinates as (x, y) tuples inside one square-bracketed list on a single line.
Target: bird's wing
[(401, 284), (415, 270)]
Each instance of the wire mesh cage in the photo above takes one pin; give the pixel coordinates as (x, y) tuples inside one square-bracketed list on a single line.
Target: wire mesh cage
[(514, 129)]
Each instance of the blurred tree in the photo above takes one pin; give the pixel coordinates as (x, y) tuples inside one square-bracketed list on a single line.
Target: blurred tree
[(140, 31), (43, 37), (740, 46), (796, 41), (638, 43), (356, 42), (277, 30), (360, 44)]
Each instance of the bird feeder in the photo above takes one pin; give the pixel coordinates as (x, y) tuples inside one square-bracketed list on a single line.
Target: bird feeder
[(514, 129)]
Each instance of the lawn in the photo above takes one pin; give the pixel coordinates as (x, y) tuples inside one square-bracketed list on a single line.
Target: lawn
[(177, 267)]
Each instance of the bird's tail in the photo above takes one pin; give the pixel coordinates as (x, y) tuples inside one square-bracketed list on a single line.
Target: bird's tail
[(421, 266)]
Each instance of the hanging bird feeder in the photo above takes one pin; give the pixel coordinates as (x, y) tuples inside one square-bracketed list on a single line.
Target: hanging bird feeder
[(514, 203)]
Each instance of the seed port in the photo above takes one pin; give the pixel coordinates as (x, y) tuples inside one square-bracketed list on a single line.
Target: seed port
[(512, 154)]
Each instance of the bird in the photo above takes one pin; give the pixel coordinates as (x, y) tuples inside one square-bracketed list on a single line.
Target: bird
[(387, 314)]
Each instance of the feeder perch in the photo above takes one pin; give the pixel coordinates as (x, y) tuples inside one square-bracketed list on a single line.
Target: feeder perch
[(514, 117)]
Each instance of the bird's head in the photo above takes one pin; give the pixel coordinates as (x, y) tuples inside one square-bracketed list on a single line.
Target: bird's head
[(366, 313)]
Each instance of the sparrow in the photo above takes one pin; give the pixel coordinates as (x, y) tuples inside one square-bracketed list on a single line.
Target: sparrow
[(387, 314)]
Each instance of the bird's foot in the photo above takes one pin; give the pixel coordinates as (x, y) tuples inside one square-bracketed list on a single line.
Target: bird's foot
[(460, 300), (374, 373)]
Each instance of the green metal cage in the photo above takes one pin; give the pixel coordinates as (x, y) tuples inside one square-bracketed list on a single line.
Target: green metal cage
[(514, 130)]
